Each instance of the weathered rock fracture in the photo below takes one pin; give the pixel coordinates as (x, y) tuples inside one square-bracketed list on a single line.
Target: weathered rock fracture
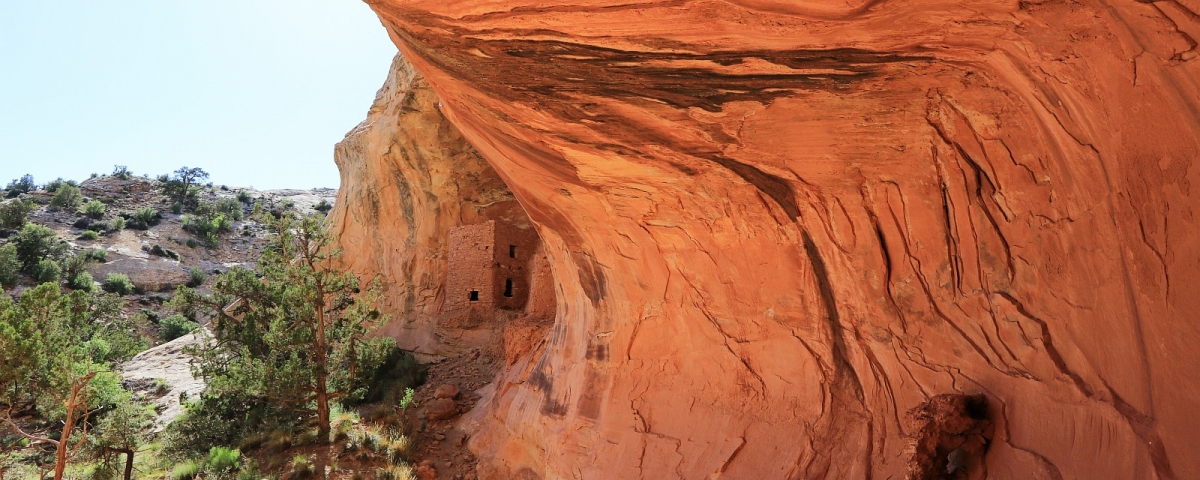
[(779, 228)]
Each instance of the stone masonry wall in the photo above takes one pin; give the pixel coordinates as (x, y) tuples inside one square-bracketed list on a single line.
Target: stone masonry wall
[(471, 255), (514, 248)]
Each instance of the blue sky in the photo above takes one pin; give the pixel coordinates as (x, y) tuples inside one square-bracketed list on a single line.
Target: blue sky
[(256, 92)]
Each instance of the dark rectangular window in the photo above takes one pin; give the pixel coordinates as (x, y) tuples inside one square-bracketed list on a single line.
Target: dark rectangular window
[(474, 295), (512, 251), (508, 287)]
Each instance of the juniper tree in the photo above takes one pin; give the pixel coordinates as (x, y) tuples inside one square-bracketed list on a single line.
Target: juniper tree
[(181, 186), (295, 332), (51, 357), (119, 433)]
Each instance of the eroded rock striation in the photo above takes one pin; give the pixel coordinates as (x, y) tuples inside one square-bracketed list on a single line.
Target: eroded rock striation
[(778, 227)]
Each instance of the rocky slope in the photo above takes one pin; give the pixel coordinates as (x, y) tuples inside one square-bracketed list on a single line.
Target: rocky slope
[(781, 232), (157, 260)]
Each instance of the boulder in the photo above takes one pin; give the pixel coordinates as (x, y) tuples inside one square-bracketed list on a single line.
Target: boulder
[(446, 391), (440, 409)]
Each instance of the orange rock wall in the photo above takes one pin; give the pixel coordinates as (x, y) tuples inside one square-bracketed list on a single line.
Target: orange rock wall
[(776, 227), (408, 177), (542, 303)]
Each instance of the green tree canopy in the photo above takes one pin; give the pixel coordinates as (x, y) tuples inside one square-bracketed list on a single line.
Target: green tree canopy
[(36, 243), (180, 187), (56, 353), (295, 332)]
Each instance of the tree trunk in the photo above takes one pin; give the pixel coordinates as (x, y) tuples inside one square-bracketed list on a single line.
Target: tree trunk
[(322, 410), (64, 440), (322, 348), (78, 387), (128, 464)]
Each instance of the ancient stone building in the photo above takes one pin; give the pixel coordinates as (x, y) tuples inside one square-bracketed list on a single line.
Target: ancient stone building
[(487, 270)]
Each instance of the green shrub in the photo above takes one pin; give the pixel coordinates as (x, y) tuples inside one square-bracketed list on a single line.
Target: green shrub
[(74, 264), (177, 208), (191, 243), (89, 235), (243, 196), (341, 422), (164, 252), (58, 183), (94, 209), (387, 372), (142, 218), (20, 185), (116, 225), (97, 254), (122, 172), (176, 326), (36, 243), (10, 266), (202, 224), (46, 270), (207, 227), (206, 423), (13, 213), (222, 460), (303, 467), (197, 277), (211, 240), (323, 207), (67, 197), (188, 470), (82, 281), (118, 283), (229, 207)]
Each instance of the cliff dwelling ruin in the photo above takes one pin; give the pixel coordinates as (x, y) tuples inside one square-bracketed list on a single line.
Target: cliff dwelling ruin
[(488, 270)]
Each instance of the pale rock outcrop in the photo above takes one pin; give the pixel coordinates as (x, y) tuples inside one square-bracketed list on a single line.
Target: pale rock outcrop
[(163, 374)]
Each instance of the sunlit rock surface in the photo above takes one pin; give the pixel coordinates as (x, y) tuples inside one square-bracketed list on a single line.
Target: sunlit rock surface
[(163, 376), (777, 228), (408, 176)]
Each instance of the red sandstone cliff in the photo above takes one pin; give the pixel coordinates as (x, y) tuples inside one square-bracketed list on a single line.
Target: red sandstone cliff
[(408, 177), (781, 231)]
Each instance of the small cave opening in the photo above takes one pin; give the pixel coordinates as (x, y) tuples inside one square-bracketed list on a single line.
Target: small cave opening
[(508, 287), (512, 251), (474, 295), (951, 434)]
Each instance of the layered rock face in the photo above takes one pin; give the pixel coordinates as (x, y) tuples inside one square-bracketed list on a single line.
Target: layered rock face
[(408, 177), (779, 229)]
